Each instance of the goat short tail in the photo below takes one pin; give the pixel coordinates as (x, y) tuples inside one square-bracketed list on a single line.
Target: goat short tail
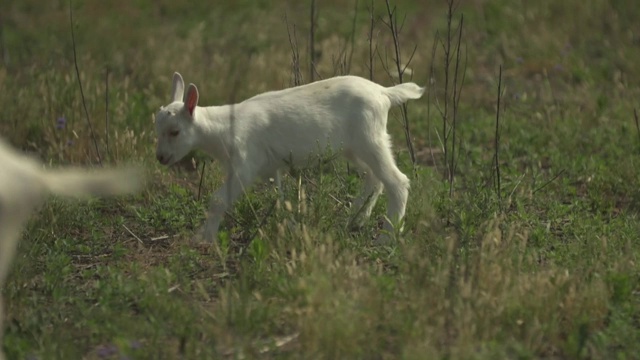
[(399, 94), (81, 184)]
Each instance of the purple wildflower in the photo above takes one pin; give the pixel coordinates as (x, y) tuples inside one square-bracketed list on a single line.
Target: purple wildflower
[(107, 351), (61, 122), (135, 344)]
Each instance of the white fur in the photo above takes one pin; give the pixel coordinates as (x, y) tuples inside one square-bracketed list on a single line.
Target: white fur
[(261, 135), (24, 185)]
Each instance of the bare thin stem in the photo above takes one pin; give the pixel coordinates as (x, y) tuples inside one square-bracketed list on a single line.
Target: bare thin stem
[(407, 134), (106, 109), (429, 89), (457, 102), (393, 27), (263, 220), (84, 103), (201, 179), (4, 55), (371, 49), (456, 97), (342, 63), (549, 182), (635, 116), (497, 141), (239, 71), (312, 35), (295, 53), (445, 112), (353, 36), (132, 234)]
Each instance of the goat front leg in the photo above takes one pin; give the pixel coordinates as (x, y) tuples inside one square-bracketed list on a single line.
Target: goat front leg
[(235, 185), (278, 181)]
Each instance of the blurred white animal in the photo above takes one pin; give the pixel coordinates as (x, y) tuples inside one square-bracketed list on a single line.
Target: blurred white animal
[(261, 135), (24, 185)]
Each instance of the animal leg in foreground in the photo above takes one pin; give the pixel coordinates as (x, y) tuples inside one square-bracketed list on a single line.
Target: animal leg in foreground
[(24, 185)]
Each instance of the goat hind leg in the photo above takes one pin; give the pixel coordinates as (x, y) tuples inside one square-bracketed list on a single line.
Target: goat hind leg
[(396, 184), (367, 199)]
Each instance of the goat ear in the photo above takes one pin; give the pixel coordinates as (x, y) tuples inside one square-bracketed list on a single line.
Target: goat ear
[(191, 100), (177, 90)]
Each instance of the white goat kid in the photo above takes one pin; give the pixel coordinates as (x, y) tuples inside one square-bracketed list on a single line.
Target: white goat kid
[(24, 185), (273, 130)]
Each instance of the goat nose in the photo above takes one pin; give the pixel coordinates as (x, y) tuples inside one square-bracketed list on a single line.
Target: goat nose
[(160, 158)]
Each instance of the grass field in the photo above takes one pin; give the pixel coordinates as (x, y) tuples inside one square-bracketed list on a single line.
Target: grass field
[(536, 257)]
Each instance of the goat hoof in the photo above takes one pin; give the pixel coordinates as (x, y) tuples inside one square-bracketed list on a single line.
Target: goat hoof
[(382, 239), (202, 237), (356, 226)]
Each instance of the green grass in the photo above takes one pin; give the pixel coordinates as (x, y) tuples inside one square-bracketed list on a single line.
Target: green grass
[(548, 269)]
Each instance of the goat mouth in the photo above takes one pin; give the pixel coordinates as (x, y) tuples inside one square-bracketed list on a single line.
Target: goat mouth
[(167, 161)]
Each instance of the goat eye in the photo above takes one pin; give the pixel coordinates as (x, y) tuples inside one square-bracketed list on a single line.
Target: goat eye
[(174, 133)]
